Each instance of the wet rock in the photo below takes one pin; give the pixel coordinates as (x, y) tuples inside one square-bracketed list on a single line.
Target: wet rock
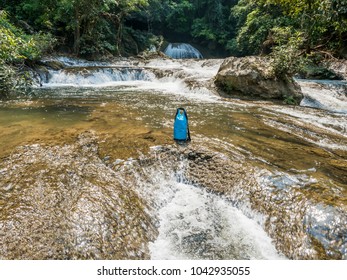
[(118, 161), (338, 66), (53, 64), (319, 72), (65, 203), (106, 158), (253, 78), (299, 229)]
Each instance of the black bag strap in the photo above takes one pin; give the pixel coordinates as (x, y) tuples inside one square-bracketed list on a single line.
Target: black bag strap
[(188, 131)]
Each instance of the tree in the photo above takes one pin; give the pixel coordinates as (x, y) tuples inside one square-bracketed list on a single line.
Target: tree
[(254, 21), (320, 20), (16, 49), (117, 12), (90, 24), (212, 21)]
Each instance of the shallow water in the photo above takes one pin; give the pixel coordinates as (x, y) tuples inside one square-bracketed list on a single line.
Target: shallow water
[(52, 173)]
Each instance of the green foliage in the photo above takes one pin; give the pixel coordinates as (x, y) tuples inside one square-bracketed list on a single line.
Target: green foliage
[(286, 58), (179, 16), (87, 26), (290, 100), (202, 29), (254, 20), (318, 72), (11, 44), (321, 21), (212, 22), (16, 48), (13, 80), (246, 41), (7, 78), (241, 27), (205, 21), (254, 32)]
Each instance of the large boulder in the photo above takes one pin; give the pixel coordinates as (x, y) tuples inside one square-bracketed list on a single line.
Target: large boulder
[(254, 78)]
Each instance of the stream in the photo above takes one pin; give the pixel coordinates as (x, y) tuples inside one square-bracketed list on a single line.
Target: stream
[(89, 169)]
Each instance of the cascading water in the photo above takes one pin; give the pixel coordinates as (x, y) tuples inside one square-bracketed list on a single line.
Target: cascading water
[(181, 51), (194, 223), (258, 180), (326, 95), (95, 76)]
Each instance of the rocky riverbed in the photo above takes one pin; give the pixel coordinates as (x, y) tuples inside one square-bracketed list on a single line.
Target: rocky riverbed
[(91, 171)]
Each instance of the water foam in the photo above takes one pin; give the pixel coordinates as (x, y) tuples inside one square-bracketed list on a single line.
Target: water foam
[(183, 79), (194, 223), (326, 95), (86, 77)]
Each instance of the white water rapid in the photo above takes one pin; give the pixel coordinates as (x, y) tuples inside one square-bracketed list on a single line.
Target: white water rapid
[(87, 77), (256, 181), (195, 224), (326, 95)]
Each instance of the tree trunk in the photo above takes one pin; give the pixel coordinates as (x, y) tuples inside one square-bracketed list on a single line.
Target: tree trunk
[(119, 27), (77, 33), (309, 28)]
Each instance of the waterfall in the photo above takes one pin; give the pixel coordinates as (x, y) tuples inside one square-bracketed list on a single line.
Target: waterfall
[(94, 76), (182, 50), (167, 76)]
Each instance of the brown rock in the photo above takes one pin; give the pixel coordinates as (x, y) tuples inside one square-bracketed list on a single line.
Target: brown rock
[(253, 78)]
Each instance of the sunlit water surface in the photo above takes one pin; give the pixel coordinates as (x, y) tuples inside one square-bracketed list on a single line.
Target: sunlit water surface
[(291, 147)]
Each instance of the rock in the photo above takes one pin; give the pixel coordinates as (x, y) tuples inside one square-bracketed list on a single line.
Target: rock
[(118, 161), (40, 74), (343, 52), (53, 64), (319, 72), (63, 202), (339, 67), (253, 78)]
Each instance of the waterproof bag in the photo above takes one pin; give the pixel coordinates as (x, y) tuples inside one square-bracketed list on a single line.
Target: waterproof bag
[(181, 128)]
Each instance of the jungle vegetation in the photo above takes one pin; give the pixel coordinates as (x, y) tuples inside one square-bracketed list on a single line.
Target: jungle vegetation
[(289, 30)]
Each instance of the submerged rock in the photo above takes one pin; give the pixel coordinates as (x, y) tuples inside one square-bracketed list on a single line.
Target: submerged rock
[(300, 227), (65, 203), (253, 78)]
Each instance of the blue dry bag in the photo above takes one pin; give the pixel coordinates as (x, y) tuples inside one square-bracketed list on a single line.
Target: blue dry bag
[(181, 128)]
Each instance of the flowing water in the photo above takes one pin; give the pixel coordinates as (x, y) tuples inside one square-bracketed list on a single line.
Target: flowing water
[(89, 169), (182, 50)]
